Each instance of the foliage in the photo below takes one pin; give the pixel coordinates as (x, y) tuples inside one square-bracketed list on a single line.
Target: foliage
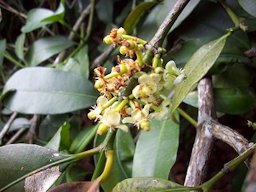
[(107, 123)]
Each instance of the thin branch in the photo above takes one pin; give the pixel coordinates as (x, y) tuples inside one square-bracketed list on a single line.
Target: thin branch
[(164, 28), (7, 126), (229, 136), (11, 9), (102, 57), (16, 136), (32, 133), (203, 142)]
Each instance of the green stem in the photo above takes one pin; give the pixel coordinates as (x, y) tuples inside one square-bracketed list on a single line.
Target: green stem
[(230, 13), (230, 166), (17, 63), (90, 21), (187, 117), (69, 159)]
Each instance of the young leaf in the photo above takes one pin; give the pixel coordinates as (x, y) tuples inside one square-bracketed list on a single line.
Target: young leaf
[(40, 17), (135, 15), (145, 184), (40, 90), (2, 50), (156, 150), (198, 65), (61, 140), (19, 46), (18, 160), (44, 48)]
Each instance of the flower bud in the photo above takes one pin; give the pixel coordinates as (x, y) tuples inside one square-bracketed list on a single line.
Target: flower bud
[(98, 84), (145, 125), (122, 68), (91, 115), (121, 31), (103, 128), (108, 40), (123, 50)]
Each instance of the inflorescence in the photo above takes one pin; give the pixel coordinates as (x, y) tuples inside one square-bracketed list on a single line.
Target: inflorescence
[(133, 92)]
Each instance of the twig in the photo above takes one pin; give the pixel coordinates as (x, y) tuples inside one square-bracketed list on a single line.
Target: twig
[(164, 28), (251, 176), (229, 136), (7, 126), (203, 142), (16, 135), (32, 133), (11, 9), (72, 34), (102, 57)]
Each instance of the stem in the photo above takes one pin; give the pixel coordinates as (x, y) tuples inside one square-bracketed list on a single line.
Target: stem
[(69, 159), (7, 56), (187, 117), (90, 21), (230, 13), (164, 28), (230, 166), (7, 126)]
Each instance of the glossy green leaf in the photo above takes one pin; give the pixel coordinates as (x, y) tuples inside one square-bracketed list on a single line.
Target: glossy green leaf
[(44, 48), (156, 150), (40, 17), (61, 140), (2, 50), (136, 14), (83, 139), (40, 90), (249, 6), (228, 100), (19, 46), (19, 159), (125, 148), (198, 65), (146, 184)]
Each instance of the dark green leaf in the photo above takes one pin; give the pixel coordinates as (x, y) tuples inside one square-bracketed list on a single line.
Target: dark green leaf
[(125, 148), (83, 139), (82, 58), (156, 150), (145, 184), (40, 17), (19, 46), (105, 11), (249, 6), (228, 100), (136, 14), (198, 65), (44, 48), (19, 159), (61, 140), (40, 90)]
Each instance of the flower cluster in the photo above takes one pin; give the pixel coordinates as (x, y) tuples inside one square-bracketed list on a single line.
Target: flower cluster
[(133, 92)]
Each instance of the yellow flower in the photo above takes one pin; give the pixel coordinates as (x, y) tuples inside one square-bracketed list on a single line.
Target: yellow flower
[(98, 108)]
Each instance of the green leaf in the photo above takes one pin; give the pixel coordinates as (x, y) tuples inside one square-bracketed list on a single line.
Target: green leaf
[(136, 14), (249, 6), (44, 48), (58, 15), (156, 150), (82, 58), (40, 17), (83, 139), (104, 11), (145, 184), (19, 159), (198, 65), (2, 50), (125, 148), (19, 46), (40, 90), (61, 140), (228, 100)]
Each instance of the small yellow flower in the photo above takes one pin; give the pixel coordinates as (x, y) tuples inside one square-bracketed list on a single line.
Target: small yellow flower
[(98, 108)]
